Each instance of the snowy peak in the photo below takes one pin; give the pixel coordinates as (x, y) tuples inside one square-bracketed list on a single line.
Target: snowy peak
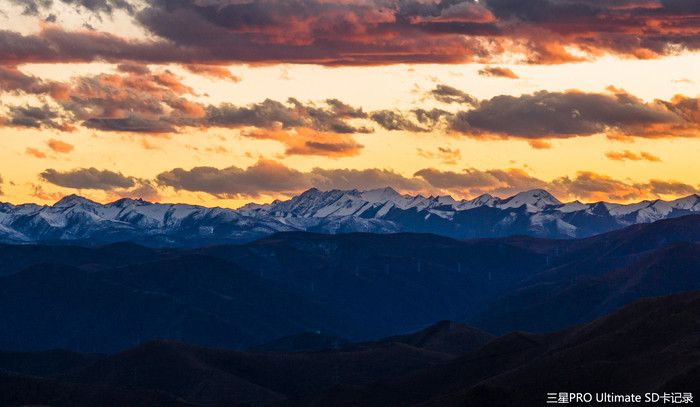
[(691, 202), (382, 195), (73, 200), (535, 198)]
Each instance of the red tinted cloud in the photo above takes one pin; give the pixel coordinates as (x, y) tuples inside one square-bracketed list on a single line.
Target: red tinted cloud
[(375, 32), (497, 71), (212, 71), (35, 152)]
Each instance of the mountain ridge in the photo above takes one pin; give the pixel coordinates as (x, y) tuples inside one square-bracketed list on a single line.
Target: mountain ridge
[(535, 213)]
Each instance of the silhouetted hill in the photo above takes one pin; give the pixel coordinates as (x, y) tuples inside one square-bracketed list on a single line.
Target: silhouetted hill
[(17, 390), (303, 341), (46, 363), (211, 376), (444, 337), (649, 345)]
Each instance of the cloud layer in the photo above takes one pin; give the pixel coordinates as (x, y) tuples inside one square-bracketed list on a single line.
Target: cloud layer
[(272, 178), (367, 32)]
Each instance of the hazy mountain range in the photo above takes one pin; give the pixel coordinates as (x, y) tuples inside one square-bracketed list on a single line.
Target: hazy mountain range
[(77, 220), (353, 287)]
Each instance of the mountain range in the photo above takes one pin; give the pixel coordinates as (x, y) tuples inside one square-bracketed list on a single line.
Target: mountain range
[(77, 220)]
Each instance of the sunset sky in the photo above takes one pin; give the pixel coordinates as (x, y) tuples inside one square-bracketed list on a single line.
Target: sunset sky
[(224, 102)]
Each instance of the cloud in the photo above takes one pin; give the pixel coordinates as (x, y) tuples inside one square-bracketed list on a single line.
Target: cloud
[(134, 68), (143, 189), (140, 100), (132, 124), (396, 120), (212, 72), (628, 155), (496, 71), (585, 185), (368, 32), (13, 80), (36, 117), (264, 177), (35, 7), (472, 182), (273, 178), (660, 187), (592, 186), (446, 155), (88, 178), (39, 193), (683, 80), (271, 114), (549, 115), (365, 179), (304, 128), (448, 94), (59, 146), (540, 144), (35, 152), (305, 141)]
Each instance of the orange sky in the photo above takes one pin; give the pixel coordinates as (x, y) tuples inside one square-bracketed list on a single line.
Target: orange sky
[(221, 103)]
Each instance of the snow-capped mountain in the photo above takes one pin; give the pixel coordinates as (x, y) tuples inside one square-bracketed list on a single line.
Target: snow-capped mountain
[(536, 212)]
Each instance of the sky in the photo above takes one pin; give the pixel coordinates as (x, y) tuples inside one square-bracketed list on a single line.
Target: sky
[(225, 102)]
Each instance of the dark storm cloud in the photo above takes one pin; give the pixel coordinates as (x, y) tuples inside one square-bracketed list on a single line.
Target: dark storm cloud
[(88, 178)]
